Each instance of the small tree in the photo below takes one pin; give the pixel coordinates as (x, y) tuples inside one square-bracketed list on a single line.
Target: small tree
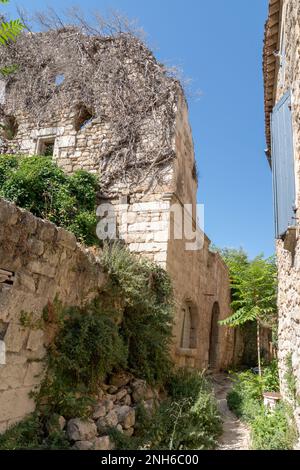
[(9, 30), (254, 292)]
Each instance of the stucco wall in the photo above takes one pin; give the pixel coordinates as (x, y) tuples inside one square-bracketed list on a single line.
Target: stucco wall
[(46, 262)]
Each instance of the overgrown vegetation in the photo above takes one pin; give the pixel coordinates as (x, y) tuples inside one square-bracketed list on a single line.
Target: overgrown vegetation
[(188, 419), (270, 430), (40, 186), (129, 328)]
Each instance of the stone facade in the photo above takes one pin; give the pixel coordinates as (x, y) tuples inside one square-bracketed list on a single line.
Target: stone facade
[(281, 75), (46, 262), (143, 205)]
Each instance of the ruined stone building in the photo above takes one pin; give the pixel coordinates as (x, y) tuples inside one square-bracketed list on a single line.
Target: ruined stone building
[(282, 107), (107, 106)]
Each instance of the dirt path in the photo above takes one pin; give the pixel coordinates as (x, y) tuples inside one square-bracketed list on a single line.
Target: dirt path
[(235, 434)]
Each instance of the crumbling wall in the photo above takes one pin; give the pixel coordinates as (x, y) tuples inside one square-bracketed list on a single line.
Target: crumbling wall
[(41, 262), (287, 77)]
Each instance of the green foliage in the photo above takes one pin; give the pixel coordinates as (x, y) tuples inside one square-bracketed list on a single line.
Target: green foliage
[(269, 430), (146, 291), (40, 186)]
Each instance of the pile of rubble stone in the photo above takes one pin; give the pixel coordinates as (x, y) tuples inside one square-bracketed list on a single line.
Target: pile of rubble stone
[(115, 408)]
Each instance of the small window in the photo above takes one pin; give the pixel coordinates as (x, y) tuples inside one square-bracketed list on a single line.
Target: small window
[(83, 118), (45, 147)]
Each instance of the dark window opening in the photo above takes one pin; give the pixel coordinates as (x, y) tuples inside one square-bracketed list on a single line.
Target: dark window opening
[(83, 118)]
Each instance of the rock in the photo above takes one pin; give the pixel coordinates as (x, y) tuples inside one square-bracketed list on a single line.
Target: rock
[(126, 416), (129, 432), (81, 430), (108, 421), (103, 443), (121, 394), (120, 380), (150, 406), (112, 390), (55, 424), (99, 412), (83, 445)]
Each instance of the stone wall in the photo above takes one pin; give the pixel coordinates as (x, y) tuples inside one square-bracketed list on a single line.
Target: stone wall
[(42, 262), (287, 77)]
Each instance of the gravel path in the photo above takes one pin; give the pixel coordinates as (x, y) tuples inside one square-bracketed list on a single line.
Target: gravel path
[(235, 435)]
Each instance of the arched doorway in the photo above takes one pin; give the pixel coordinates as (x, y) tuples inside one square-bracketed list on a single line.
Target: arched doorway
[(214, 336)]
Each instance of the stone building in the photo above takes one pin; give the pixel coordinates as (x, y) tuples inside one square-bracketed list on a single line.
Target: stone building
[(107, 106), (282, 106)]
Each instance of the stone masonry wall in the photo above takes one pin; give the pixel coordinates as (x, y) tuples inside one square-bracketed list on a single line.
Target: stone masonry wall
[(288, 259), (44, 262)]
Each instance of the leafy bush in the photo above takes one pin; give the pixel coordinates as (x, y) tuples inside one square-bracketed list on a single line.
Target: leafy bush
[(40, 186), (29, 434), (269, 430), (148, 311)]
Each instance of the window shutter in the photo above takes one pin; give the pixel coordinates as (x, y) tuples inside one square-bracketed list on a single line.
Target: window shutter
[(283, 166)]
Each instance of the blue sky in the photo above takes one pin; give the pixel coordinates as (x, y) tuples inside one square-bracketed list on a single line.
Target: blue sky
[(218, 45)]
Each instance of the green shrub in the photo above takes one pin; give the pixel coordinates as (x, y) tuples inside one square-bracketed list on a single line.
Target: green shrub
[(269, 430), (40, 186)]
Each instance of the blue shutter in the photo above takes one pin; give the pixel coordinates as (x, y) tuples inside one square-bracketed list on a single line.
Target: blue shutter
[(283, 166)]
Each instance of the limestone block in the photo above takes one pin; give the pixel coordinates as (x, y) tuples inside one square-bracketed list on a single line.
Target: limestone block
[(108, 421), (66, 239), (81, 430), (162, 236), (47, 232), (15, 337), (16, 404), (120, 380), (26, 282)]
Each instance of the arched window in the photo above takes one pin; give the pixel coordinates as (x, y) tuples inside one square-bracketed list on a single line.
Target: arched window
[(189, 327)]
